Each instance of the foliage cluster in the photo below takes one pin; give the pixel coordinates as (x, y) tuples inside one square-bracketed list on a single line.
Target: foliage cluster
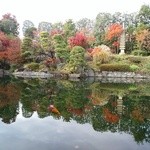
[(52, 45), (115, 67)]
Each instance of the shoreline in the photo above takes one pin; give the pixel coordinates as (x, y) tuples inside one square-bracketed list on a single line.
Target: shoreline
[(104, 76)]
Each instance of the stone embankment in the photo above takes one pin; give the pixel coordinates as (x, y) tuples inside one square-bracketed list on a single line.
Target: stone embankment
[(104, 76)]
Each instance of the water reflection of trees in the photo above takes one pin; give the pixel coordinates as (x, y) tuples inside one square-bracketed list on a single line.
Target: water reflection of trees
[(36, 96), (108, 107), (9, 97)]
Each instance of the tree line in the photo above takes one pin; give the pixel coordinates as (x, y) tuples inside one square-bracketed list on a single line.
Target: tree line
[(51, 44)]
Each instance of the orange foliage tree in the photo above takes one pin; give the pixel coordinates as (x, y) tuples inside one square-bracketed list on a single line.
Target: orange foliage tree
[(109, 116), (113, 34), (137, 115), (140, 37)]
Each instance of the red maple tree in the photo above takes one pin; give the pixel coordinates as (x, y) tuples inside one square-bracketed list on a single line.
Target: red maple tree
[(79, 39), (9, 48)]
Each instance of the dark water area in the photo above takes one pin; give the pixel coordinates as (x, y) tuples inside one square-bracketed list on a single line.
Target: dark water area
[(47, 114)]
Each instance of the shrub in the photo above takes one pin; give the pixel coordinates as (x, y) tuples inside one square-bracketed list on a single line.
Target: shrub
[(100, 55), (76, 60), (26, 54), (147, 66), (61, 49), (136, 59), (26, 44), (139, 53), (134, 67), (32, 66), (77, 56), (115, 67)]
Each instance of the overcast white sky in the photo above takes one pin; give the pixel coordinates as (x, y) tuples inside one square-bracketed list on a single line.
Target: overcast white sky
[(61, 10)]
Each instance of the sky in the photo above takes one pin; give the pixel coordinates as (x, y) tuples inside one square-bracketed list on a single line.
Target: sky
[(61, 10)]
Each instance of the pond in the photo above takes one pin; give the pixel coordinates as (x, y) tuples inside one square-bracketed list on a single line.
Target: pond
[(45, 114)]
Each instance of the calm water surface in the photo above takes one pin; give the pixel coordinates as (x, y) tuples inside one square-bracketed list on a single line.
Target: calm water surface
[(69, 115)]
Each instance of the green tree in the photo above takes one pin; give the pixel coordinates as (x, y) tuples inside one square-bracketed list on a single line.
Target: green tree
[(86, 25), (76, 60), (27, 24), (130, 23), (117, 17), (57, 26), (30, 32), (69, 29), (144, 14), (9, 25), (26, 50), (60, 46), (45, 41), (26, 44), (102, 21), (44, 26)]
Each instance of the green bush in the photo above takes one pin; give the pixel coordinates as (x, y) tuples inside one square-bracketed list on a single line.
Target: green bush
[(26, 54), (61, 49), (134, 67), (77, 57), (32, 66), (136, 59), (101, 57), (147, 66), (76, 60), (115, 67), (139, 53), (26, 44)]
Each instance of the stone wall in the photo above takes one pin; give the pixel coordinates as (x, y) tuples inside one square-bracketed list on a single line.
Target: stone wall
[(103, 74), (116, 74)]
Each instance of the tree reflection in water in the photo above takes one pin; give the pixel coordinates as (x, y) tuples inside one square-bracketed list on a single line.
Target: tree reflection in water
[(107, 107)]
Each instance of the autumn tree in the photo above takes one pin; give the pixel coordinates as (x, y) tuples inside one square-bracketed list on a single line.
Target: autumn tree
[(140, 33), (79, 39), (14, 50), (113, 34), (100, 55), (10, 49), (4, 41), (114, 31), (146, 42)]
